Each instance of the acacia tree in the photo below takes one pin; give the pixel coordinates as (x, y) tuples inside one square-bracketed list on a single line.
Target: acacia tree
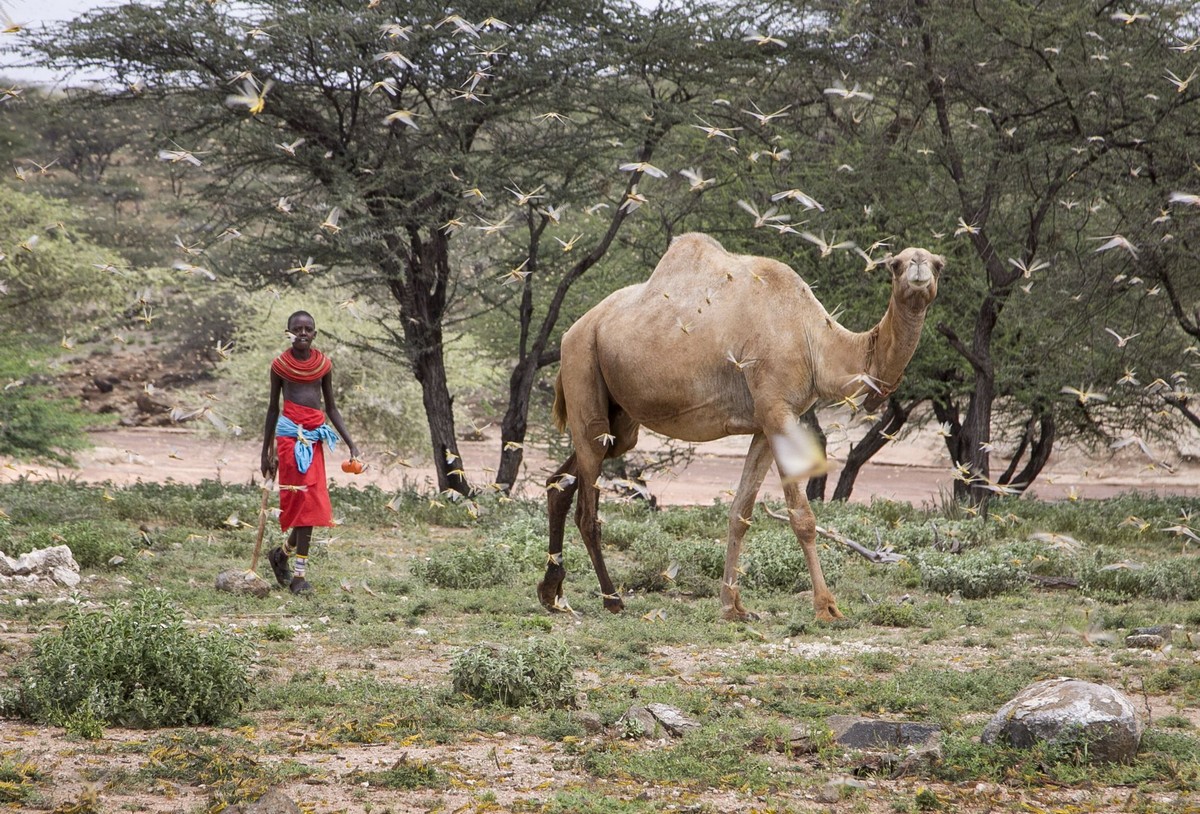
[(1013, 131), (394, 141)]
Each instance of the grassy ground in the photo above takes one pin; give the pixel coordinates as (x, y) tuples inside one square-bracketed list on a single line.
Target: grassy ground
[(370, 696)]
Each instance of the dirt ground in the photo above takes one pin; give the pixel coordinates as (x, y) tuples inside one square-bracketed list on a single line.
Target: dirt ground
[(915, 469)]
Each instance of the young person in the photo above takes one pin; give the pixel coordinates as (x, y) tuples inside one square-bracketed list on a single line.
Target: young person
[(294, 447)]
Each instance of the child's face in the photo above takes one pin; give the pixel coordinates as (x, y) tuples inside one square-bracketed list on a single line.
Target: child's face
[(303, 331)]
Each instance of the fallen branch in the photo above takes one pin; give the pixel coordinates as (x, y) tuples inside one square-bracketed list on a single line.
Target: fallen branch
[(882, 555)]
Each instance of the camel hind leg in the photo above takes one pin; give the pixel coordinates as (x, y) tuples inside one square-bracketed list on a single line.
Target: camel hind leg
[(621, 435), (560, 490)]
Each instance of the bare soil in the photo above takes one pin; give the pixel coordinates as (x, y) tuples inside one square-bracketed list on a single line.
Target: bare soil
[(915, 469)]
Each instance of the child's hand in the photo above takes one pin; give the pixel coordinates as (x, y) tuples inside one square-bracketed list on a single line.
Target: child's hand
[(270, 464)]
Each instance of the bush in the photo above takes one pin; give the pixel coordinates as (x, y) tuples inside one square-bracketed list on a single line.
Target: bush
[(136, 666), (774, 561), (974, 574), (34, 423), (1176, 578), (92, 543), (470, 566), (538, 675)]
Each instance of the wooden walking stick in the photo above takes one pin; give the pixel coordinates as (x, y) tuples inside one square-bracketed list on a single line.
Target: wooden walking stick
[(237, 581), (262, 527)]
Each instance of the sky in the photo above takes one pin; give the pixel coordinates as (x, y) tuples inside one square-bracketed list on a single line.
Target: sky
[(30, 13)]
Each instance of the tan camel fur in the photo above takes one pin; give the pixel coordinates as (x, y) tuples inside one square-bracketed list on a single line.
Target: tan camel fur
[(718, 344)]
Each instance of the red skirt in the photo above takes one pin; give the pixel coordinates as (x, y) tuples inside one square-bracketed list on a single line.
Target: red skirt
[(309, 506)]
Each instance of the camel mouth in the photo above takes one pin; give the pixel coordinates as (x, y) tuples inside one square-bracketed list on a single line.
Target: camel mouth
[(921, 283)]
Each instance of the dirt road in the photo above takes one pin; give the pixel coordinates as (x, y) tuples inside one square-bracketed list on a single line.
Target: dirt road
[(915, 469)]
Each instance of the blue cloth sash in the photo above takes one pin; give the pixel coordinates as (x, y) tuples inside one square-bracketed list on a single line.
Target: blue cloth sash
[(305, 439)]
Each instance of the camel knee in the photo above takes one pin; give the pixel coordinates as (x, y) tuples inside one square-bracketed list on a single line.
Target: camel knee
[(804, 526)]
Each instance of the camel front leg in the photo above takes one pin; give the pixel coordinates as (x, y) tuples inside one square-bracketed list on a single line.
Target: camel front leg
[(560, 489), (804, 525), (758, 461)]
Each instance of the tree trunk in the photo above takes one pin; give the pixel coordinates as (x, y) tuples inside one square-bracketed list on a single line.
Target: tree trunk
[(419, 285), (815, 488), (515, 423), (875, 439), (1040, 444), (429, 368)]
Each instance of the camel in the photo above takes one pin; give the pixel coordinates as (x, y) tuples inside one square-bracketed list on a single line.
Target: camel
[(716, 344)]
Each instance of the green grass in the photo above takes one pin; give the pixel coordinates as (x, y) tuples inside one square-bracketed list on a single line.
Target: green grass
[(425, 632)]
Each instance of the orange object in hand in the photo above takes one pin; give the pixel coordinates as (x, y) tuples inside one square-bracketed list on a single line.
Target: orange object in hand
[(353, 466)]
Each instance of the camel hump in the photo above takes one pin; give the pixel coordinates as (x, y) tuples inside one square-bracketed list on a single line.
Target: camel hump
[(690, 253), (696, 259)]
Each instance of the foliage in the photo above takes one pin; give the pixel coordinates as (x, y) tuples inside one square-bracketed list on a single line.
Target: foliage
[(467, 567), (538, 674), (405, 773), (137, 665), (34, 423), (51, 284), (93, 543), (774, 561)]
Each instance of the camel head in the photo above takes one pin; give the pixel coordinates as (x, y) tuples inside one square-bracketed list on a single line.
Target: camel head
[(915, 276)]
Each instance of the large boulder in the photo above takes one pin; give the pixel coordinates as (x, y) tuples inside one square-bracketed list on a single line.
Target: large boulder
[(1069, 711)]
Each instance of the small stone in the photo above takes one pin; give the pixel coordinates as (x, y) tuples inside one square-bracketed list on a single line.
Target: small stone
[(590, 721), (839, 788), (637, 722), (870, 733), (116, 560), (240, 581), (672, 719), (65, 576)]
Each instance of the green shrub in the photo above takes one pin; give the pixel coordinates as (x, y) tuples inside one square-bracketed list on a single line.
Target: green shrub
[(774, 561), (890, 614), (405, 773), (92, 543), (1175, 578), (137, 665), (469, 566), (975, 574), (538, 675)]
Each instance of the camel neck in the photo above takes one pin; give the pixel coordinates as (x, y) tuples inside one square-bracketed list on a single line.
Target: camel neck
[(895, 341)]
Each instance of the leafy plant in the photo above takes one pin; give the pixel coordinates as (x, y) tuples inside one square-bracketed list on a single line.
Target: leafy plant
[(537, 675), (467, 567), (137, 665), (403, 774)]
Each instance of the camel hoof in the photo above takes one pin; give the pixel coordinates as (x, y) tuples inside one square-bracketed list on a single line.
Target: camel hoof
[(549, 593), (739, 615), (614, 605), (829, 614)]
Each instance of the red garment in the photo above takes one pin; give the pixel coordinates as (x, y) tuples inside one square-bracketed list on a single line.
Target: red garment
[(301, 370), (311, 506)]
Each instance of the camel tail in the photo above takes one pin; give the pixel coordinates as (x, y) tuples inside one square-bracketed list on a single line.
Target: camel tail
[(560, 404)]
